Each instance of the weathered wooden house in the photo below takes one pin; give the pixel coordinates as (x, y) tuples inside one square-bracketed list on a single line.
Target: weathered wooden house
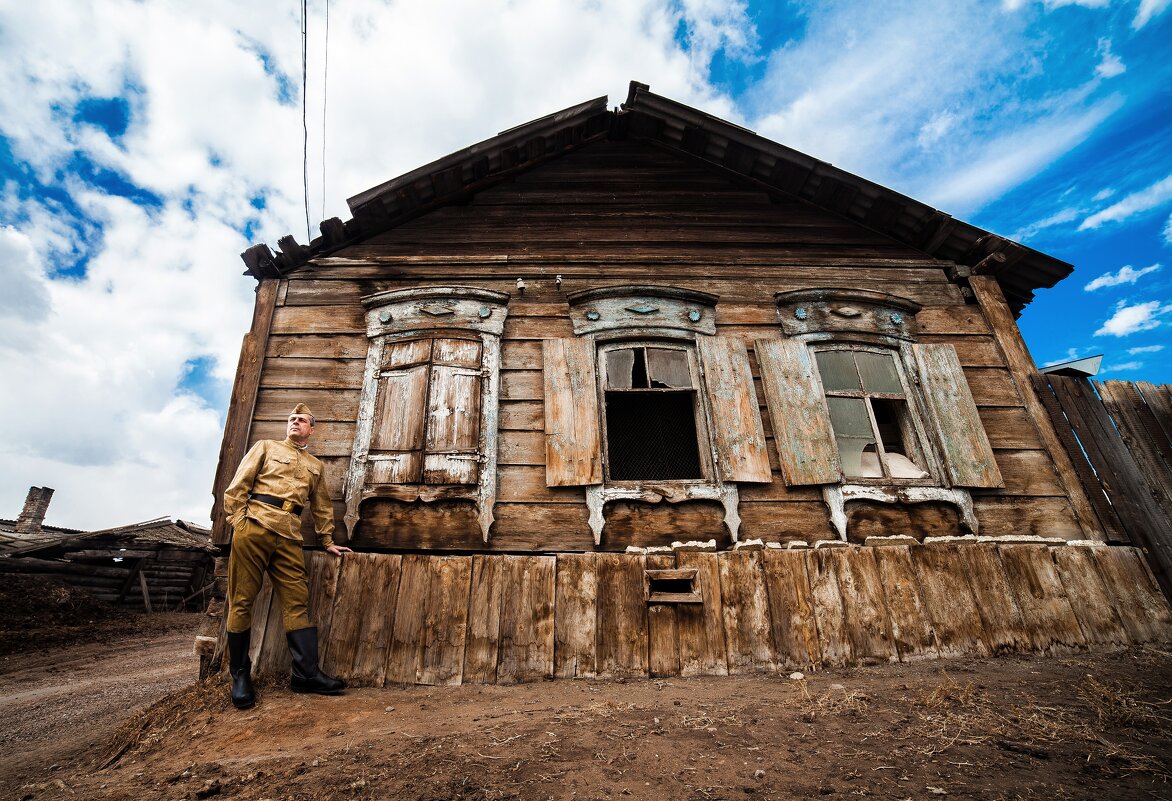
[(639, 392)]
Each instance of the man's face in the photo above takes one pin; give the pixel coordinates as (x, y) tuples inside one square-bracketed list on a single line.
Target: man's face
[(300, 427)]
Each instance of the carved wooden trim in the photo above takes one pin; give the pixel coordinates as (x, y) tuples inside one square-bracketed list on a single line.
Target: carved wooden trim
[(836, 495), (839, 310), (640, 306), (597, 496), (427, 312)]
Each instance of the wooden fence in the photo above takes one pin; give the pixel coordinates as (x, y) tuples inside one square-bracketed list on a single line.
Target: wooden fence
[(1119, 435), (391, 619)]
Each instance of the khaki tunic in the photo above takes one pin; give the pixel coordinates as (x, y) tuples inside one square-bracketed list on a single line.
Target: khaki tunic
[(267, 539), (282, 470)]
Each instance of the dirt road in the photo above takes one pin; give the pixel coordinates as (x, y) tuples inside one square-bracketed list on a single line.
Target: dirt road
[(1077, 727)]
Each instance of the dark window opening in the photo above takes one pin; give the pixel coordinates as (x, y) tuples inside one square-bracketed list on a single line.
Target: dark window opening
[(671, 585), (651, 436)]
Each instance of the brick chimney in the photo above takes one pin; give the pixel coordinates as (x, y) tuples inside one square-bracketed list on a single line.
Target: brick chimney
[(33, 514)]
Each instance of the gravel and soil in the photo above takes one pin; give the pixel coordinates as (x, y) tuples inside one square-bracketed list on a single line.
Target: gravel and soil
[(116, 714)]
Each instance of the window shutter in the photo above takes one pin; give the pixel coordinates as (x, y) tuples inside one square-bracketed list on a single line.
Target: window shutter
[(397, 442), (453, 426), (573, 445), (967, 453), (736, 418), (801, 424)]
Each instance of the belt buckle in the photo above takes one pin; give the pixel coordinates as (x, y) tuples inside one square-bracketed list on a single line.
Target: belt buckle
[(286, 506)]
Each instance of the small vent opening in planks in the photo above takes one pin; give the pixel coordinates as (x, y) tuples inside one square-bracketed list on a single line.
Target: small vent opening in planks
[(680, 586)]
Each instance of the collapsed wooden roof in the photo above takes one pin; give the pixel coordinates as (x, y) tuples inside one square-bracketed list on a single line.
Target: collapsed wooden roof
[(687, 132), (162, 532)]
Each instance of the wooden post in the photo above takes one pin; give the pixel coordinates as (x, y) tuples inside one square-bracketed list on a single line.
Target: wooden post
[(243, 402), (1021, 367), (146, 593)]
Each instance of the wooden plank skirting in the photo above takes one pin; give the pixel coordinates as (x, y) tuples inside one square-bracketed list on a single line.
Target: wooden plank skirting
[(394, 620)]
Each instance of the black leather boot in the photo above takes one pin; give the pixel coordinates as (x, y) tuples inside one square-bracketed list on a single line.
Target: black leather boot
[(240, 668), (307, 677)]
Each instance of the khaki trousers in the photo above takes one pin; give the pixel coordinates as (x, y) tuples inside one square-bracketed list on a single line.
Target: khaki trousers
[(255, 551)]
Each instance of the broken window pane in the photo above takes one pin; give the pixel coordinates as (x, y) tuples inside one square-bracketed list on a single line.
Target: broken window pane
[(838, 371), (668, 368), (619, 364), (878, 371), (852, 431)]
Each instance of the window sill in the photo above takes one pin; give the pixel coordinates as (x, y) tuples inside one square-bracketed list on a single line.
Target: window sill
[(895, 491), (598, 495)]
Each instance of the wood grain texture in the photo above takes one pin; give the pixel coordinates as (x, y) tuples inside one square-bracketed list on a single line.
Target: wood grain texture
[(1021, 366), (378, 587), (833, 639), (526, 650), (242, 403), (403, 656), (484, 619), (864, 606), (941, 573), (1041, 597), (967, 453), (441, 660), (1089, 597), (573, 449), (911, 625), (801, 426), (576, 616), (737, 434), (622, 616), (1005, 628), (700, 627), (1142, 609), (791, 610), (663, 643), (748, 632)]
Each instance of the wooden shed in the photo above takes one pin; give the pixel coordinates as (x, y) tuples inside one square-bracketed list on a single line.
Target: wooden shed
[(157, 565), (639, 392)]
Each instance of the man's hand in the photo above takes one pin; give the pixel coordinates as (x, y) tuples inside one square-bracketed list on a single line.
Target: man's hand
[(338, 550)]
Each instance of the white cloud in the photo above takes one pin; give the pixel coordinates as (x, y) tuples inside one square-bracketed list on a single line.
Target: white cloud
[(1136, 317), (1149, 10), (1125, 275), (1145, 349), (98, 360), (1122, 367), (25, 297), (1110, 65), (1167, 232), (1147, 199), (1103, 194), (858, 91), (1057, 218)]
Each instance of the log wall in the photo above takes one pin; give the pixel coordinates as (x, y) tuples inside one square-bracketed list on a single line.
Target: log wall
[(390, 619), (623, 213)]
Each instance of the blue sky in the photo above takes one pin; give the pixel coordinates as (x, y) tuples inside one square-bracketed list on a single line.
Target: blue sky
[(143, 146)]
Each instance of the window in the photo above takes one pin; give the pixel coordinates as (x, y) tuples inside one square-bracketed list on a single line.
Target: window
[(866, 412), (427, 419), (646, 403), (652, 413), (871, 415), (426, 416)]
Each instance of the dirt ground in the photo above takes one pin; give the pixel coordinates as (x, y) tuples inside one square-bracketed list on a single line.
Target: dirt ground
[(121, 717)]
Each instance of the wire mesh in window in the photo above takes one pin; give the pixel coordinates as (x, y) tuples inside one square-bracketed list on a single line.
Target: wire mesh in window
[(652, 436)]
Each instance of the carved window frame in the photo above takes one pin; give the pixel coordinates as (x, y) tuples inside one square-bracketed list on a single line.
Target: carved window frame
[(430, 313), (864, 320), (646, 315)]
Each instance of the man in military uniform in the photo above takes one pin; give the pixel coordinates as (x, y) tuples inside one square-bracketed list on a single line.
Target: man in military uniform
[(263, 505)]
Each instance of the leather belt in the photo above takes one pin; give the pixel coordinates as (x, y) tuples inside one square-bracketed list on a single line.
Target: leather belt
[(280, 503)]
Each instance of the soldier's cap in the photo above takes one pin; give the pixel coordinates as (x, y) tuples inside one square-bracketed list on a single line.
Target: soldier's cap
[(301, 408)]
